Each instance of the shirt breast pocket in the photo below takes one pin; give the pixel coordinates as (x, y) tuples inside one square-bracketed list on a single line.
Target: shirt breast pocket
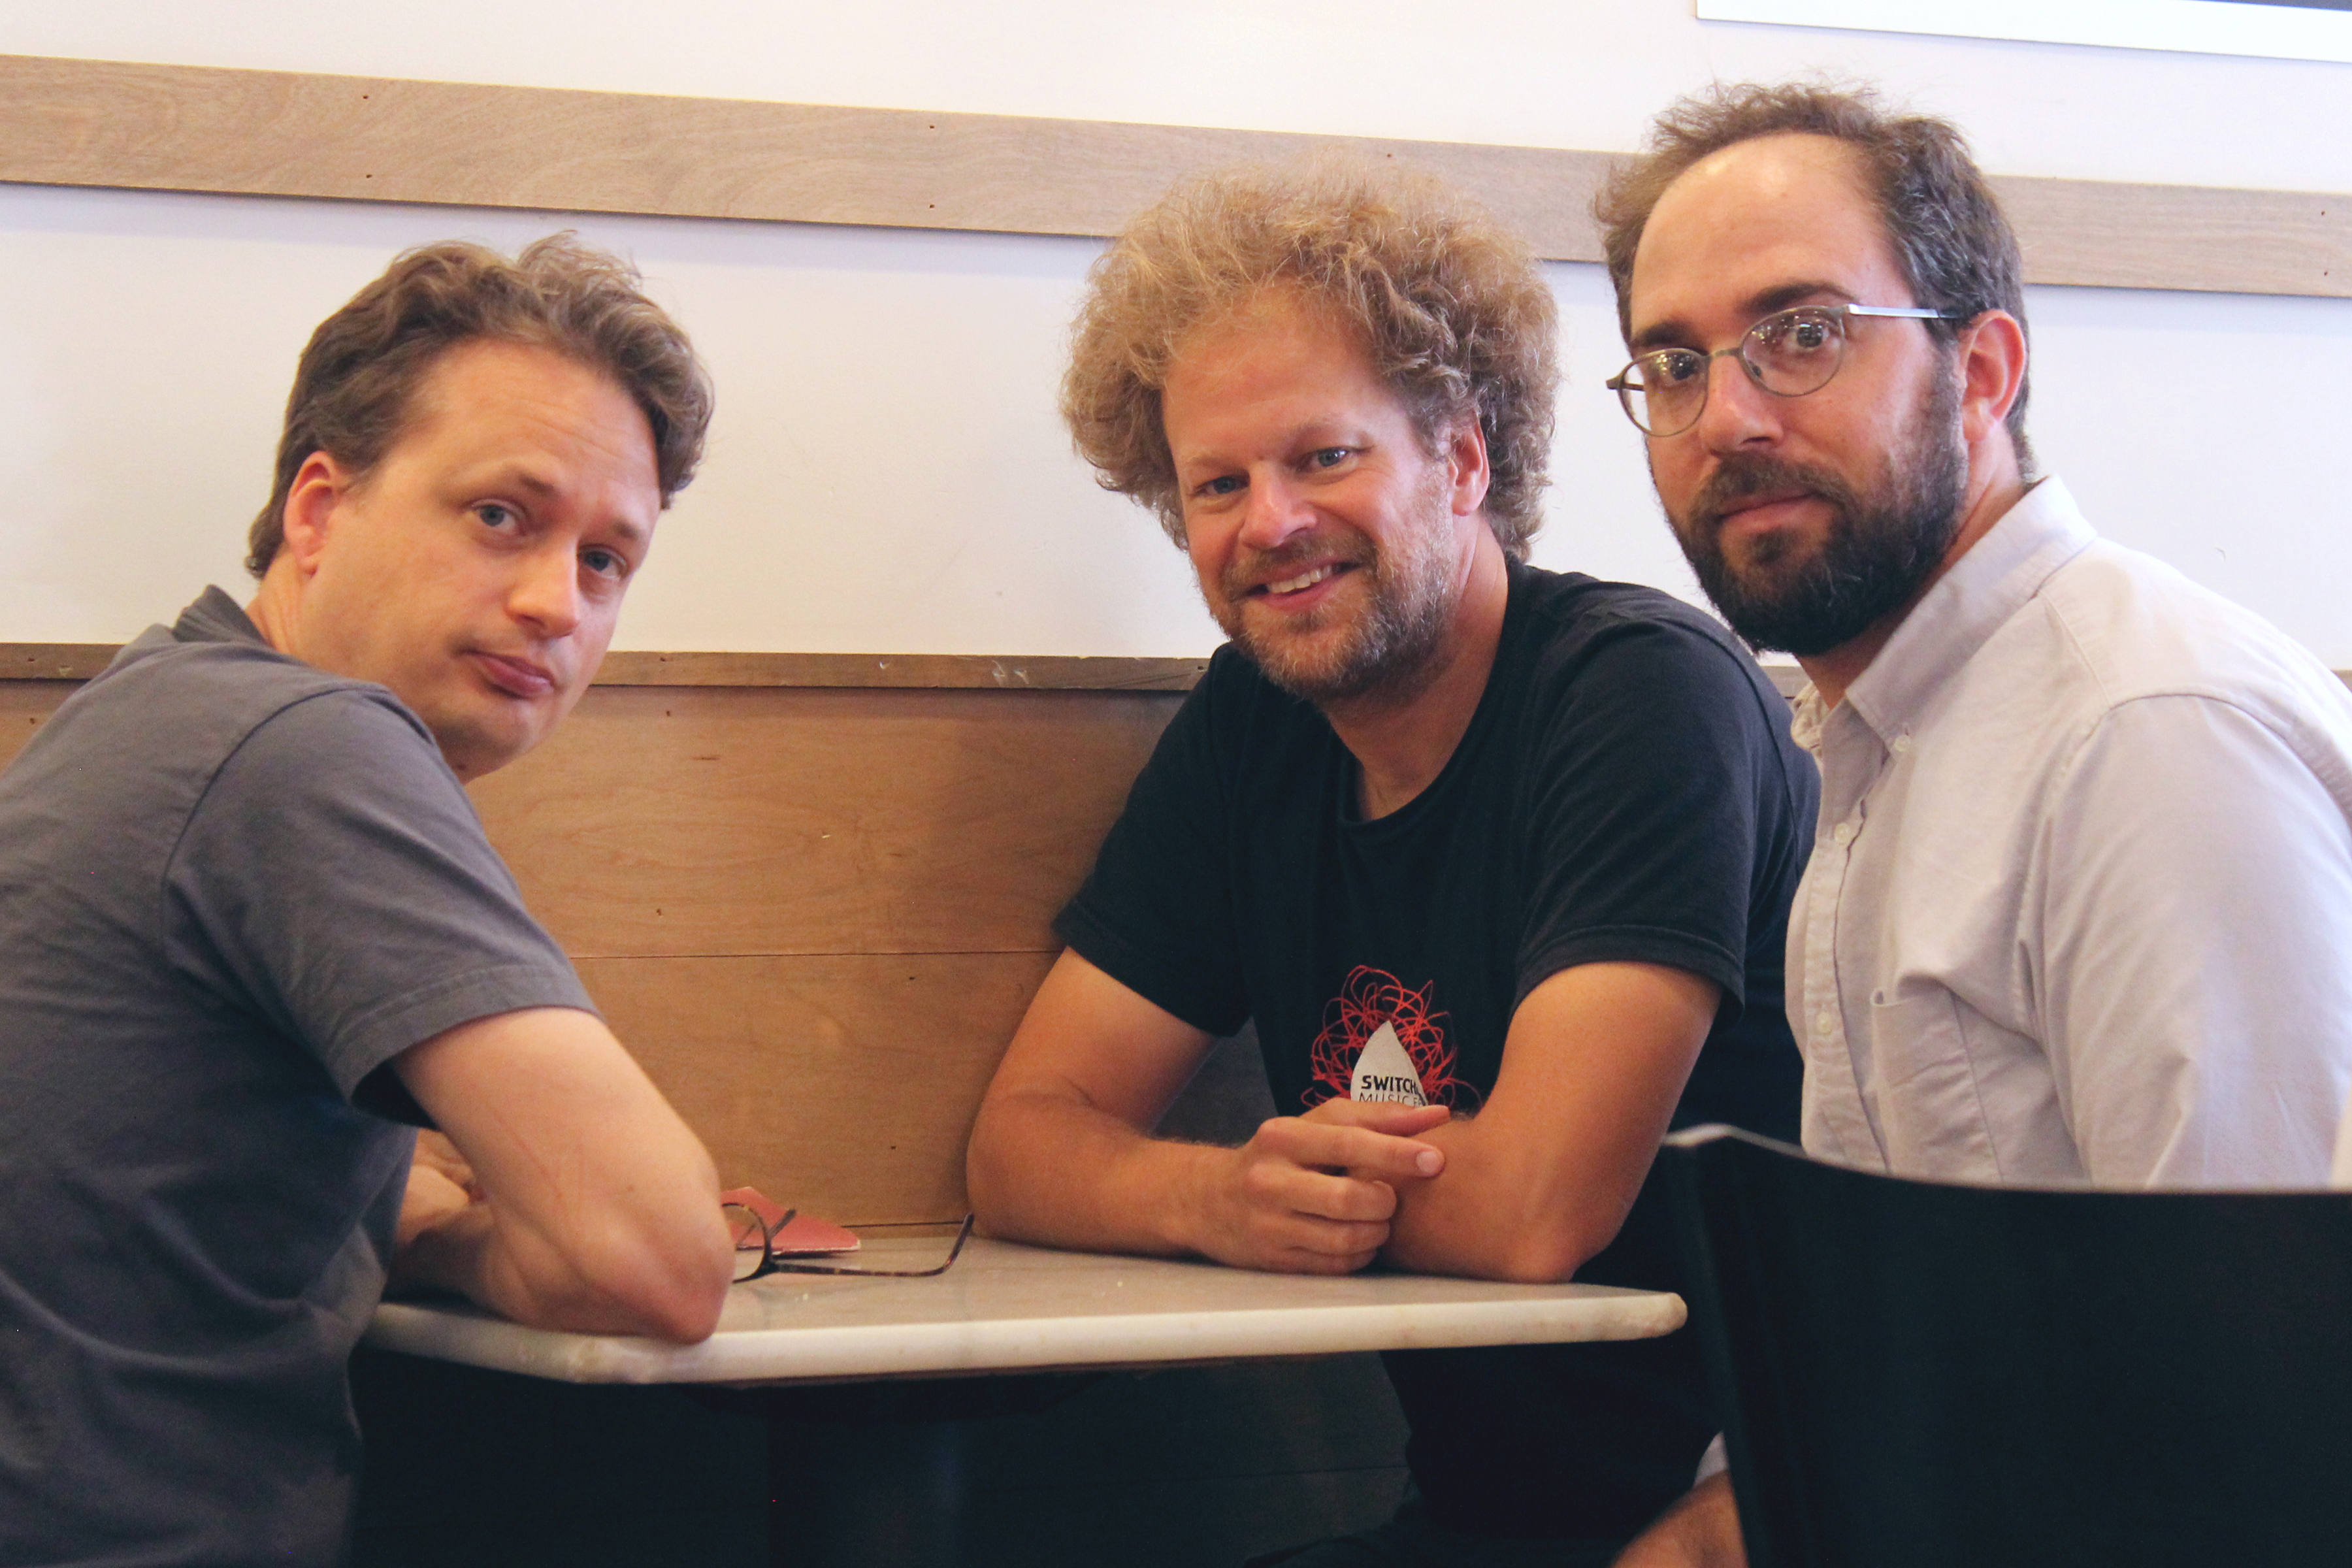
[(1929, 1114)]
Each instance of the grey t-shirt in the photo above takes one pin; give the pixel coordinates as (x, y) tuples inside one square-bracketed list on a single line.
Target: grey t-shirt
[(231, 888)]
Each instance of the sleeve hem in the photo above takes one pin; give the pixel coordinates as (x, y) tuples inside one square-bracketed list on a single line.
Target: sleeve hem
[(412, 1019), (1640, 945)]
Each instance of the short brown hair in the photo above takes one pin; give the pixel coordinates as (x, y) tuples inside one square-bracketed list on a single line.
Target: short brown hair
[(358, 378), (1945, 227), (1449, 306)]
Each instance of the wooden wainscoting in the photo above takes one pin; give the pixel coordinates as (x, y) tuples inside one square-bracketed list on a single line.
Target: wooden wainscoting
[(814, 913)]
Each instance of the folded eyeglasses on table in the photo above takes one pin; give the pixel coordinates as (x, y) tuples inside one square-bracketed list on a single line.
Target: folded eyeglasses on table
[(768, 1241)]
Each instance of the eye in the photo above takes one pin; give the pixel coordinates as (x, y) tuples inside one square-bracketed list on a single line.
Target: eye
[(496, 515), (605, 563), (1329, 456), (1222, 485), (1671, 368)]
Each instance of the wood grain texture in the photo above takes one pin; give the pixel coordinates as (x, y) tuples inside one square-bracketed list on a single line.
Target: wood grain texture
[(843, 1083), (929, 672), (695, 821), (188, 128)]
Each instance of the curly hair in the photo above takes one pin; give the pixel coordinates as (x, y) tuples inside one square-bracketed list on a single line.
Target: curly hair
[(1451, 308), (1949, 235), (362, 370)]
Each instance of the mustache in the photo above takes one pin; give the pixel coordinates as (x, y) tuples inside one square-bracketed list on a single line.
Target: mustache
[(1252, 566), (1742, 476)]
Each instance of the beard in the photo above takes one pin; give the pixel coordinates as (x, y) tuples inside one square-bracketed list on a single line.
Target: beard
[(1880, 546), (1388, 649)]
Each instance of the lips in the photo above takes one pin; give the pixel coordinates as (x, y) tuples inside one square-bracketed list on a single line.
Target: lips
[(515, 676)]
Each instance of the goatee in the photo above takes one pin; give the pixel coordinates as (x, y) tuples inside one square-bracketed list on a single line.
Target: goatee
[(1877, 552)]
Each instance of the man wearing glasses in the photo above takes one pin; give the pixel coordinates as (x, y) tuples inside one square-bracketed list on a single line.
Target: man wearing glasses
[(2080, 905), (251, 933), (1496, 859)]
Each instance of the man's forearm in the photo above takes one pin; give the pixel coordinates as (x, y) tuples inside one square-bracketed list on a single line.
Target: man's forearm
[(1492, 1214), (489, 1261), (1057, 1170), (1542, 1178)]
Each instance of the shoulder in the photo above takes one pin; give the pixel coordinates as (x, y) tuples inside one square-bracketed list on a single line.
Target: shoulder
[(2130, 629), (1586, 644), (160, 728), (226, 692)]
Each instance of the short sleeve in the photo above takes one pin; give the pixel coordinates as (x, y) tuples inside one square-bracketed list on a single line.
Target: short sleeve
[(1157, 914), (1661, 794), (334, 879)]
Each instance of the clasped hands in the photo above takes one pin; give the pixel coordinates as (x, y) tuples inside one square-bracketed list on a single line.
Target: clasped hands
[(1317, 1194)]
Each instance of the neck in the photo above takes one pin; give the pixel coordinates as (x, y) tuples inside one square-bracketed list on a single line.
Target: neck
[(1992, 492), (273, 610), (1400, 745)]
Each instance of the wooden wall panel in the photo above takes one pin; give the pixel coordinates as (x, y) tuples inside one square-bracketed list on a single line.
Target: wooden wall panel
[(24, 706), (845, 1085), (188, 128), (699, 821)]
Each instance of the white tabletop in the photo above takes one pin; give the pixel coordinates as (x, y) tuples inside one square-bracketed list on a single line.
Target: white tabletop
[(1005, 1307)]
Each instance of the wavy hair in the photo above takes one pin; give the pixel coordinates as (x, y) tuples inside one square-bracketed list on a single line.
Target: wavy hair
[(360, 372), (1449, 307)]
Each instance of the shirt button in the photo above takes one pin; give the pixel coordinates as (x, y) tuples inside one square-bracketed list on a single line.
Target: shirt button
[(1823, 1025), (1842, 834), (1902, 744)]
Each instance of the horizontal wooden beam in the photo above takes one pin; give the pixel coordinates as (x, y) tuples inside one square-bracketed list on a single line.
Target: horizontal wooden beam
[(937, 672), (190, 128)]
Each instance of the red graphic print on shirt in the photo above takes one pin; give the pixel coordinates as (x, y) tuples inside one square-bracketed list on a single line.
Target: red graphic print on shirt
[(1368, 998)]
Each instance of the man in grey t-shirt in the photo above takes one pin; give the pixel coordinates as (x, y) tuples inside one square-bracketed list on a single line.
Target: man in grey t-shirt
[(250, 933)]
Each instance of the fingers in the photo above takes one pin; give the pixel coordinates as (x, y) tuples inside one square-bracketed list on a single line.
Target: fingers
[(1338, 1141), (1380, 1116)]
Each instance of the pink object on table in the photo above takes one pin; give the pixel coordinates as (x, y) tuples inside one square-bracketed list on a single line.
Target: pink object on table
[(798, 1236)]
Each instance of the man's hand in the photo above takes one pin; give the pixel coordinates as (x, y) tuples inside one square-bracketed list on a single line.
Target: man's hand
[(1314, 1193), (1700, 1531), (440, 1189)]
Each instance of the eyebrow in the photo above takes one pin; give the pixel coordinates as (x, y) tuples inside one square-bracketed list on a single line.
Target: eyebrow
[(1674, 332), (540, 487)]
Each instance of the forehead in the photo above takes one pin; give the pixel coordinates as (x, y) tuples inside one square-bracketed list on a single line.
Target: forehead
[(497, 399), (1755, 217), (1278, 360)]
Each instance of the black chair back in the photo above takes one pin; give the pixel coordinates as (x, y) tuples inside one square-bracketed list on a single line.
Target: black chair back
[(1917, 1374)]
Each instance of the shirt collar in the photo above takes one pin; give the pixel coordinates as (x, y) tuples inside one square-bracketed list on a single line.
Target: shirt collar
[(1997, 577)]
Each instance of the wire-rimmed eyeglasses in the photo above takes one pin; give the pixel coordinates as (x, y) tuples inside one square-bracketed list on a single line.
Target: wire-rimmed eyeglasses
[(1787, 353), (755, 1236)]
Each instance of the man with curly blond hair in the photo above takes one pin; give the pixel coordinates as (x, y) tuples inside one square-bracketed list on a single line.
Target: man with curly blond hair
[(1497, 860)]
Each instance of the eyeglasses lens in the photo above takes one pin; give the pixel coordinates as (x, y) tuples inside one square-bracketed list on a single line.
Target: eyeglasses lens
[(1795, 352), (1663, 392)]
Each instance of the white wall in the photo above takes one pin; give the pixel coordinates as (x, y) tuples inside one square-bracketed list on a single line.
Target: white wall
[(886, 474)]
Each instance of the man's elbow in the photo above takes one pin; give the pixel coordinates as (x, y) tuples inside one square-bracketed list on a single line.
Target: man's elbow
[(680, 1303), (663, 1285), (1544, 1255)]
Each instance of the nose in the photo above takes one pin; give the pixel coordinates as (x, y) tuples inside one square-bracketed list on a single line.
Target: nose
[(546, 595), (1739, 415), (1274, 512)]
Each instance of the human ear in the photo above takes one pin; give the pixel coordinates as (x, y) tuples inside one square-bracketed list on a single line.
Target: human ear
[(319, 486), (1468, 473), (1992, 368)]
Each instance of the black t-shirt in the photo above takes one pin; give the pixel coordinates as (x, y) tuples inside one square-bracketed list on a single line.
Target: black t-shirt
[(1626, 791)]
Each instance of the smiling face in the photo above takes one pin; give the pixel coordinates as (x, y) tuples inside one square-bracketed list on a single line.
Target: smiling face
[(1809, 520), (478, 569), (1330, 545)]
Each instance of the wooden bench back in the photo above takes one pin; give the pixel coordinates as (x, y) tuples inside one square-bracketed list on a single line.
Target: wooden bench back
[(816, 915)]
